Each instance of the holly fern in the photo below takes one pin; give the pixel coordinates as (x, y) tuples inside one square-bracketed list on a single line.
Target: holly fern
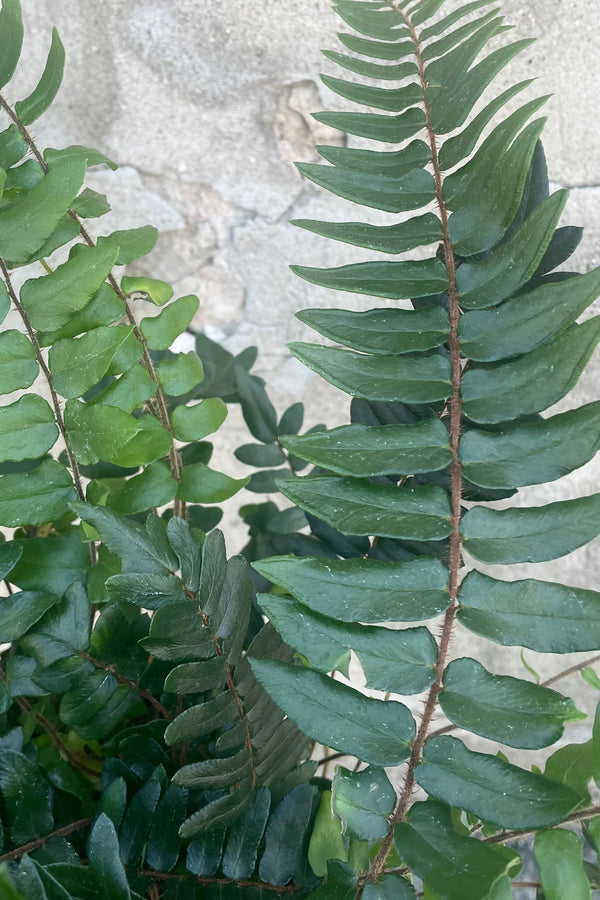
[(448, 402)]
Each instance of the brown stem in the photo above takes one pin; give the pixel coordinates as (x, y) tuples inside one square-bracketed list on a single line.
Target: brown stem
[(444, 730), (579, 816), (54, 396), (454, 563), (503, 836), (332, 758), (54, 735), (62, 748), (146, 695), (236, 697), (261, 885), (47, 375), (162, 413), (522, 884), (230, 684), (572, 670), (24, 133), (39, 842), (161, 410)]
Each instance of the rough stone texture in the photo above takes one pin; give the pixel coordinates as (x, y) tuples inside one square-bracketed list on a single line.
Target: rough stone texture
[(206, 105)]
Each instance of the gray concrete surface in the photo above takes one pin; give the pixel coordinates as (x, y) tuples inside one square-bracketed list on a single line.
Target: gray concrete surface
[(205, 106)]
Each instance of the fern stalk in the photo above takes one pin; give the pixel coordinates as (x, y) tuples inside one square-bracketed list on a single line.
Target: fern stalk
[(41, 841), (205, 881), (60, 422), (581, 815), (54, 736), (429, 430), (229, 676), (146, 695), (47, 375), (159, 406), (454, 562)]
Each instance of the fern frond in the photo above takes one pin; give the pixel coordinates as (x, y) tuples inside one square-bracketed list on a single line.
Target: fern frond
[(197, 632), (446, 406)]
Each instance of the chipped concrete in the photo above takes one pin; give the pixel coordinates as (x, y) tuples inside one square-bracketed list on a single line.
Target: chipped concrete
[(149, 207)]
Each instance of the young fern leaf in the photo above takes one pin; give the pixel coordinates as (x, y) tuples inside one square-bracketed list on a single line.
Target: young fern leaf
[(198, 630), (125, 408), (490, 341)]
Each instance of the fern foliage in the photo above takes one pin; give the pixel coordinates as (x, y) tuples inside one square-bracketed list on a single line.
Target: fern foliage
[(120, 402), (155, 732), (447, 408), (152, 740), (139, 756)]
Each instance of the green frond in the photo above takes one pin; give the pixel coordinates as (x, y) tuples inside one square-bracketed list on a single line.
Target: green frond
[(491, 339)]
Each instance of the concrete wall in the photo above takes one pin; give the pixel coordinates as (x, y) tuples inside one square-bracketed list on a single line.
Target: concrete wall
[(205, 105)]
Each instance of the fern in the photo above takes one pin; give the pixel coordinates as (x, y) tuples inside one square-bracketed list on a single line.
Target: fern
[(151, 728), (200, 624), (137, 750), (121, 411), (447, 403), (140, 754)]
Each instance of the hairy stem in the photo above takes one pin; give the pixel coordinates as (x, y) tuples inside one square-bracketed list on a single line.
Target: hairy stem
[(146, 695), (63, 749), (502, 837), (54, 735), (572, 670), (23, 132), (160, 409), (53, 395), (580, 816), (230, 684), (454, 562), (526, 884), (47, 375), (332, 758), (39, 842), (257, 885)]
